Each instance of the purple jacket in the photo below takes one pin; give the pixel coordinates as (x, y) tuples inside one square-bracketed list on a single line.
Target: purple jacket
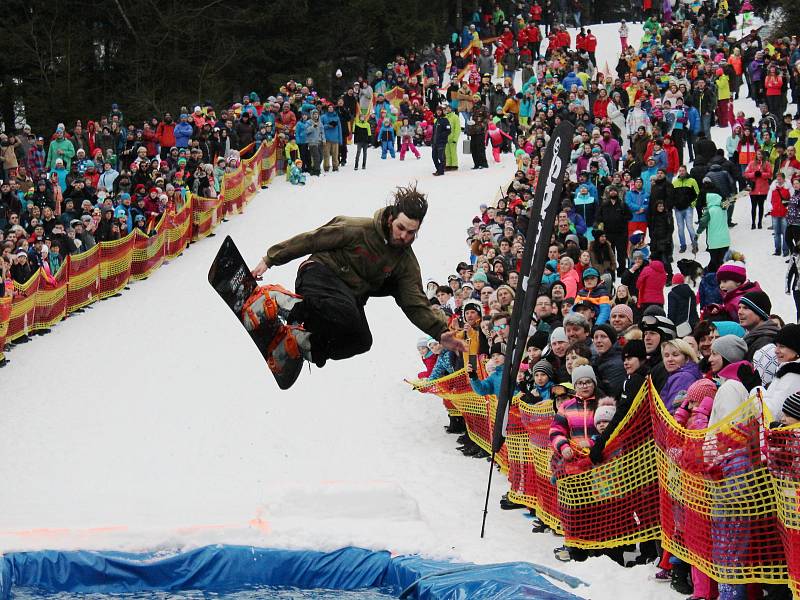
[(677, 383), (756, 69), (612, 148)]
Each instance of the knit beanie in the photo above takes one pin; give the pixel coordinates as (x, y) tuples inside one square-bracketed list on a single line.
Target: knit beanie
[(544, 366), (583, 372), (730, 347), (624, 310), (480, 276), (654, 310), (604, 413), (758, 302), (700, 389), (558, 335), (789, 336), (791, 406), (608, 330), (733, 270), (538, 340), (635, 349), (728, 328), (590, 272), (423, 342)]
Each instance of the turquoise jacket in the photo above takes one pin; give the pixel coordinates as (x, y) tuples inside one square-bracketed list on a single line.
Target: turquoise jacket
[(715, 222)]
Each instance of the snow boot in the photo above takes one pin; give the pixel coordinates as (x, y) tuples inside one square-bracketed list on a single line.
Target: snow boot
[(663, 576), (538, 526), (284, 300), (290, 346), (507, 504), (694, 248), (681, 578), (456, 425)]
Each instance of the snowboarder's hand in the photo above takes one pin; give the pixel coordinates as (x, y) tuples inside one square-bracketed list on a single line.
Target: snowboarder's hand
[(567, 452), (449, 341), (260, 269)]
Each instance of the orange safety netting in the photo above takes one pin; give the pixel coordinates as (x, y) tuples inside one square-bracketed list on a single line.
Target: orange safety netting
[(725, 499), (478, 411), (718, 506), (5, 313), (108, 267)]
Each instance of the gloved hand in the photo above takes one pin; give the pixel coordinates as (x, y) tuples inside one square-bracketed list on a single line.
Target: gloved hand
[(596, 451), (748, 377)]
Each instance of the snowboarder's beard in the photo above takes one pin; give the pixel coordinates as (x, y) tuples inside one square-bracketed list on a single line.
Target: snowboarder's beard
[(398, 243)]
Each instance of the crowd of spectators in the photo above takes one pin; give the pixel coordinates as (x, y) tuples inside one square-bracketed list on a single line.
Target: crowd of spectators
[(619, 302)]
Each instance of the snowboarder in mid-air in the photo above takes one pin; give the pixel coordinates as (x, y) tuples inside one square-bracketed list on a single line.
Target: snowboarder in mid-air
[(351, 259)]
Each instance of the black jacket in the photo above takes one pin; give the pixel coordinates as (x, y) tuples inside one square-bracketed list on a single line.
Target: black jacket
[(441, 131), (682, 305), (630, 388)]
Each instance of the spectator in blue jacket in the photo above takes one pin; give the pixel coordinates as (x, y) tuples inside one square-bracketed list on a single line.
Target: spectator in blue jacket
[(382, 104), (333, 138), (570, 80), (183, 132), (637, 201)]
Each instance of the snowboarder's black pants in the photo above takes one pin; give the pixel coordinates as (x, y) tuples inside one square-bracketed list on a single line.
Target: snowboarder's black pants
[(332, 313)]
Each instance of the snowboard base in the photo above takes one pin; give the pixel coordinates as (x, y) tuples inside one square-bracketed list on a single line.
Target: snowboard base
[(234, 283)]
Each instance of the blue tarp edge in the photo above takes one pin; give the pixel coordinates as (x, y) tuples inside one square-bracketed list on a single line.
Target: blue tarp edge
[(223, 568)]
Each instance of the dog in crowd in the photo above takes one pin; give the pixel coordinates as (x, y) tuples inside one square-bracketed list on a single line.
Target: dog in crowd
[(690, 269)]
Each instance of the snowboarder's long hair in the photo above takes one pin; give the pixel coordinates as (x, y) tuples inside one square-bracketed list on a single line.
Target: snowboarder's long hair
[(409, 201)]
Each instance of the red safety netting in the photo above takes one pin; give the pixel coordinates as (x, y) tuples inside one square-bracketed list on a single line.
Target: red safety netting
[(5, 313), (537, 488), (718, 506), (783, 460), (478, 411), (616, 502), (115, 265), (83, 280), (108, 267)]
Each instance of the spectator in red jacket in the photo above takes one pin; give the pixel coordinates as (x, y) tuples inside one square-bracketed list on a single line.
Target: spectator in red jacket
[(590, 44), (165, 132), (779, 193), (150, 140), (651, 285)]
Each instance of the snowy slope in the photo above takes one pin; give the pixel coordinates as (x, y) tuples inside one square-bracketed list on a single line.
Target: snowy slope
[(151, 422)]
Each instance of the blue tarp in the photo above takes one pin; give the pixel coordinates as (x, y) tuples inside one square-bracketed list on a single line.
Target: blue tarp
[(229, 568)]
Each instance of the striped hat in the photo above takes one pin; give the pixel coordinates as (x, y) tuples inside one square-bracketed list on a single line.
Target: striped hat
[(758, 302), (733, 270), (791, 406)]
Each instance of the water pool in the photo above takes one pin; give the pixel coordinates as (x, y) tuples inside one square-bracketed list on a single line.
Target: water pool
[(252, 573), (256, 593)]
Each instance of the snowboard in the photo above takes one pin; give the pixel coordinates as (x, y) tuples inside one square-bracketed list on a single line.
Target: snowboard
[(231, 278)]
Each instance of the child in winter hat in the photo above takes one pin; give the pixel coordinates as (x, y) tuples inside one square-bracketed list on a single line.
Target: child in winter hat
[(731, 275), (791, 410), (604, 413), (696, 406)]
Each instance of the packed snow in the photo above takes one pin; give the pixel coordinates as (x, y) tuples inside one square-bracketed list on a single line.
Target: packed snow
[(151, 423)]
